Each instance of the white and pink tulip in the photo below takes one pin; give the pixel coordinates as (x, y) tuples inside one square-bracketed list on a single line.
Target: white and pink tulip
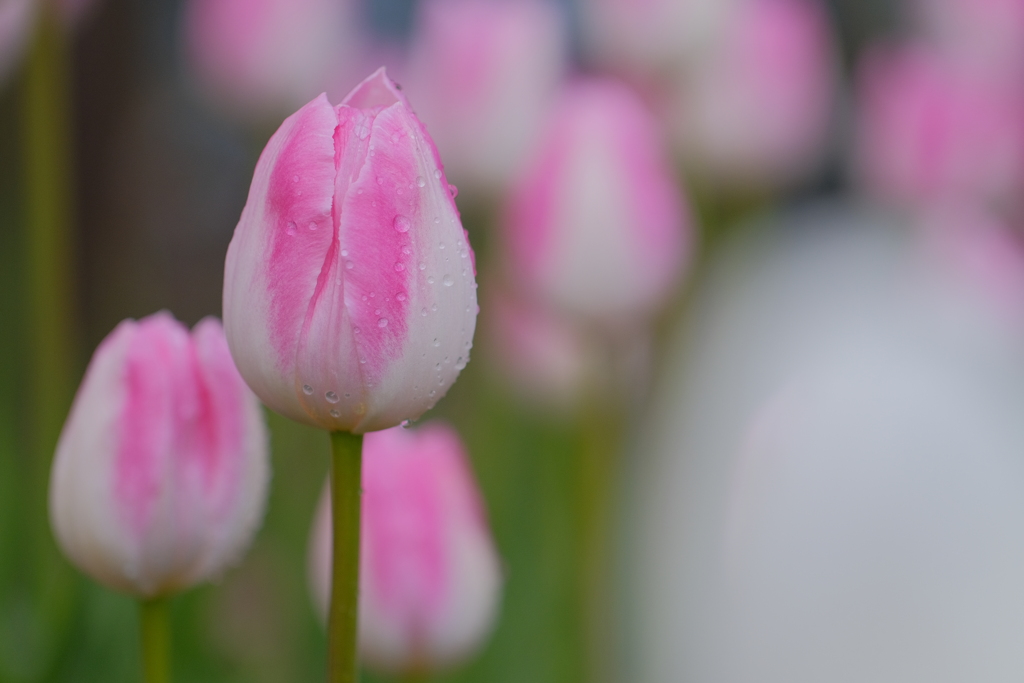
[(161, 472), (349, 287), (596, 225), (430, 577)]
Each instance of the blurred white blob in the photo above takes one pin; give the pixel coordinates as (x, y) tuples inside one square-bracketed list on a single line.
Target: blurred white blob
[(651, 35), (481, 74), (756, 111), (16, 20), (832, 487)]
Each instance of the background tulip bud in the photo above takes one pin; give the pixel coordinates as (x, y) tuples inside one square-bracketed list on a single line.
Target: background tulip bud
[(597, 225), (349, 287), (429, 578), (161, 471), (482, 74), (756, 110), (930, 129)]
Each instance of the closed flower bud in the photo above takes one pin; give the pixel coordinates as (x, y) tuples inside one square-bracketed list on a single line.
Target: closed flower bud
[(349, 287), (161, 471), (429, 577), (482, 74), (597, 225), (756, 111), (930, 129)]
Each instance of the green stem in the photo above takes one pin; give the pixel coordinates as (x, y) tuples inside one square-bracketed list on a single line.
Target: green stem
[(343, 614), (155, 633)]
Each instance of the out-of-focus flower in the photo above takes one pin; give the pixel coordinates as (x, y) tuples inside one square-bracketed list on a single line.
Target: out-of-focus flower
[(597, 225), (260, 59), (16, 20), (831, 488), (482, 74), (757, 110), (929, 130), (161, 472), (349, 287), (542, 355), (984, 34), (430, 578), (651, 35)]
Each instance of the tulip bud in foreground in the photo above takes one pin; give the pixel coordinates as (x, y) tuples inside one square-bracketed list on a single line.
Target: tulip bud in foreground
[(161, 472), (597, 226), (349, 287), (429, 577)]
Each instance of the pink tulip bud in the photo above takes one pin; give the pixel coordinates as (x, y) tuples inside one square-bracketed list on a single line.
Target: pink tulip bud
[(429, 575), (161, 471), (482, 74), (645, 35), (930, 130), (263, 58), (349, 287), (16, 19), (756, 111), (596, 225)]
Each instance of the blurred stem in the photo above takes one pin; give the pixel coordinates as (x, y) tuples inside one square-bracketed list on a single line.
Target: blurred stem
[(343, 616), (155, 633)]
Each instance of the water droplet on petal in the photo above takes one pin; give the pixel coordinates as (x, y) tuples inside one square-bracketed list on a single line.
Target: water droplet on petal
[(307, 390), (331, 397), (356, 330), (423, 266), (448, 280), (312, 225), (383, 322), (460, 363), (421, 182), (438, 367), (454, 190), (432, 392), (406, 250), (430, 279), (335, 413), (349, 265), (440, 245), (399, 267), (437, 173), (362, 360), (402, 224), (401, 296), (344, 252), (291, 227), (423, 312), (434, 308), (437, 342)]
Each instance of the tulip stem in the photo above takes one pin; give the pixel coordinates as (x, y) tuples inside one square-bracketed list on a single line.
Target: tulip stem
[(155, 633), (343, 615)]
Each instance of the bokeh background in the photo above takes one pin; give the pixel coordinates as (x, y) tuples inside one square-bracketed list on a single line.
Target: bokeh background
[(817, 472)]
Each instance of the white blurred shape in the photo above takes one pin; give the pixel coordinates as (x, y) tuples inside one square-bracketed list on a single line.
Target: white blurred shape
[(834, 484)]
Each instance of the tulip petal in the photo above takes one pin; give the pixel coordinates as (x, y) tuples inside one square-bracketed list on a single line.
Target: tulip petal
[(277, 254)]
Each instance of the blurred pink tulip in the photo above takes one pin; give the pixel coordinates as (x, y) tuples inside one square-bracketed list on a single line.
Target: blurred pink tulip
[(16, 20), (984, 34), (430, 578), (647, 35), (161, 471), (482, 74), (757, 110), (928, 130), (260, 59), (349, 290), (596, 226)]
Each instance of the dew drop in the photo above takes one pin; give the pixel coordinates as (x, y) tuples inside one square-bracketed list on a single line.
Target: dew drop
[(401, 296), (421, 182), (335, 413), (331, 397), (291, 227), (406, 250), (349, 265), (430, 279), (312, 225), (402, 224), (434, 308), (356, 330), (438, 367), (423, 312), (383, 322), (432, 392), (448, 280), (362, 360), (440, 382), (347, 395), (437, 221), (423, 266), (344, 252), (376, 312), (440, 245), (399, 267), (454, 190), (437, 342), (460, 363), (437, 173), (307, 390)]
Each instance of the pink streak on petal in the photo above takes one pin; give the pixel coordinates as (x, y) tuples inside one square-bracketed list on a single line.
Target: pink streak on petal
[(299, 201), (155, 380)]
